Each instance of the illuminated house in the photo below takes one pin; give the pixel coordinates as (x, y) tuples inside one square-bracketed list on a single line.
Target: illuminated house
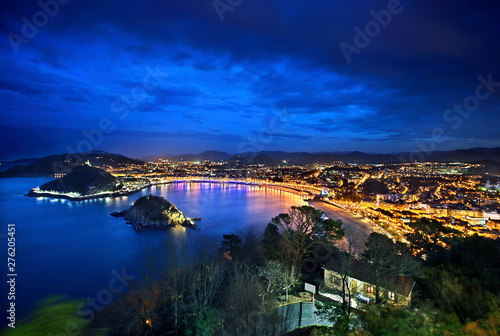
[(394, 290)]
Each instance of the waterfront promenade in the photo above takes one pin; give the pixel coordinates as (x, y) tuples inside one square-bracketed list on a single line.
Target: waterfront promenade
[(352, 225)]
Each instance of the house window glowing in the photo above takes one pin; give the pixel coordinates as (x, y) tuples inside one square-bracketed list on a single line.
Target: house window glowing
[(369, 289)]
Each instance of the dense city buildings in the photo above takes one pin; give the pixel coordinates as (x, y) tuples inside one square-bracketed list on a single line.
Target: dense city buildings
[(462, 197)]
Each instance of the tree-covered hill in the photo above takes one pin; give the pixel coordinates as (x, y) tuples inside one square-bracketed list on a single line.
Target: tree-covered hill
[(154, 212), (84, 180), (64, 163)]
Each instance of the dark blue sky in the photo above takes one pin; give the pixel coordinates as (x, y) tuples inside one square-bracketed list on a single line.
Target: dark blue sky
[(271, 76)]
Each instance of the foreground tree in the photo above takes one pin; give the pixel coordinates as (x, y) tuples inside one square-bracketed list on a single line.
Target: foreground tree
[(345, 256), (380, 253), (206, 279), (240, 299), (384, 321), (425, 233), (230, 243), (305, 227), (465, 279), (387, 259), (271, 241), (272, 275)]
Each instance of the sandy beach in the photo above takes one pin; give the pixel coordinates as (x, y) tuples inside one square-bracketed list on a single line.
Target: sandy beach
[(349, 221)]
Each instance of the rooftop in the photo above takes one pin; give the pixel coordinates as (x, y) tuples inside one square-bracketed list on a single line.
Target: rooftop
[(361, 270)]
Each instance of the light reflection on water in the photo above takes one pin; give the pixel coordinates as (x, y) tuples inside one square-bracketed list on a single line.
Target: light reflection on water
[(66, 247)]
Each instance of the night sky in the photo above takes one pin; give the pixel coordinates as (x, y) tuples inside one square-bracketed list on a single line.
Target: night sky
[(153, 77)]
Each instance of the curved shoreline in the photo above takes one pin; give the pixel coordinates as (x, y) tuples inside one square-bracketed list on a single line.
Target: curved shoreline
[(348, 219), (49, 194), (288, 189), (332, 210)]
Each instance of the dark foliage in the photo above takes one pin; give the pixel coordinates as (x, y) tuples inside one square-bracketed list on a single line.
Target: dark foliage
[(84, 180)]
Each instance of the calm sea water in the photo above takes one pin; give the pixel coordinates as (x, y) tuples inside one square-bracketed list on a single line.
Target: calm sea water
[(71, 248)]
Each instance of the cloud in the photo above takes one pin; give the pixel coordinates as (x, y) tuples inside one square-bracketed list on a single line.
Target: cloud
[(228, 76)]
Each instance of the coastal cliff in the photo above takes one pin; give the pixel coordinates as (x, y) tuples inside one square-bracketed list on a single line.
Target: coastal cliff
[(154, 212)]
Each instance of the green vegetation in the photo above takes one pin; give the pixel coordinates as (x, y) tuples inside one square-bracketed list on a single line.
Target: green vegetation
[(312, 331), (387, 259), (154, 212), (457, 291), (304, 231), (229, 291), (52, 316), (233, 289), (64, 163), (373, 187), (465, 280), (304, 228), (426, 235), (84, 180), (230, 243)]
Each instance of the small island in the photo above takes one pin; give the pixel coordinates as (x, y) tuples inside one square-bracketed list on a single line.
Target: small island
[(85, 182), (154, 212)]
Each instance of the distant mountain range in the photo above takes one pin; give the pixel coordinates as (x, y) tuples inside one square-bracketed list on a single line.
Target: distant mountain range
[(275, 157), (4, 165), (63, 163)]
